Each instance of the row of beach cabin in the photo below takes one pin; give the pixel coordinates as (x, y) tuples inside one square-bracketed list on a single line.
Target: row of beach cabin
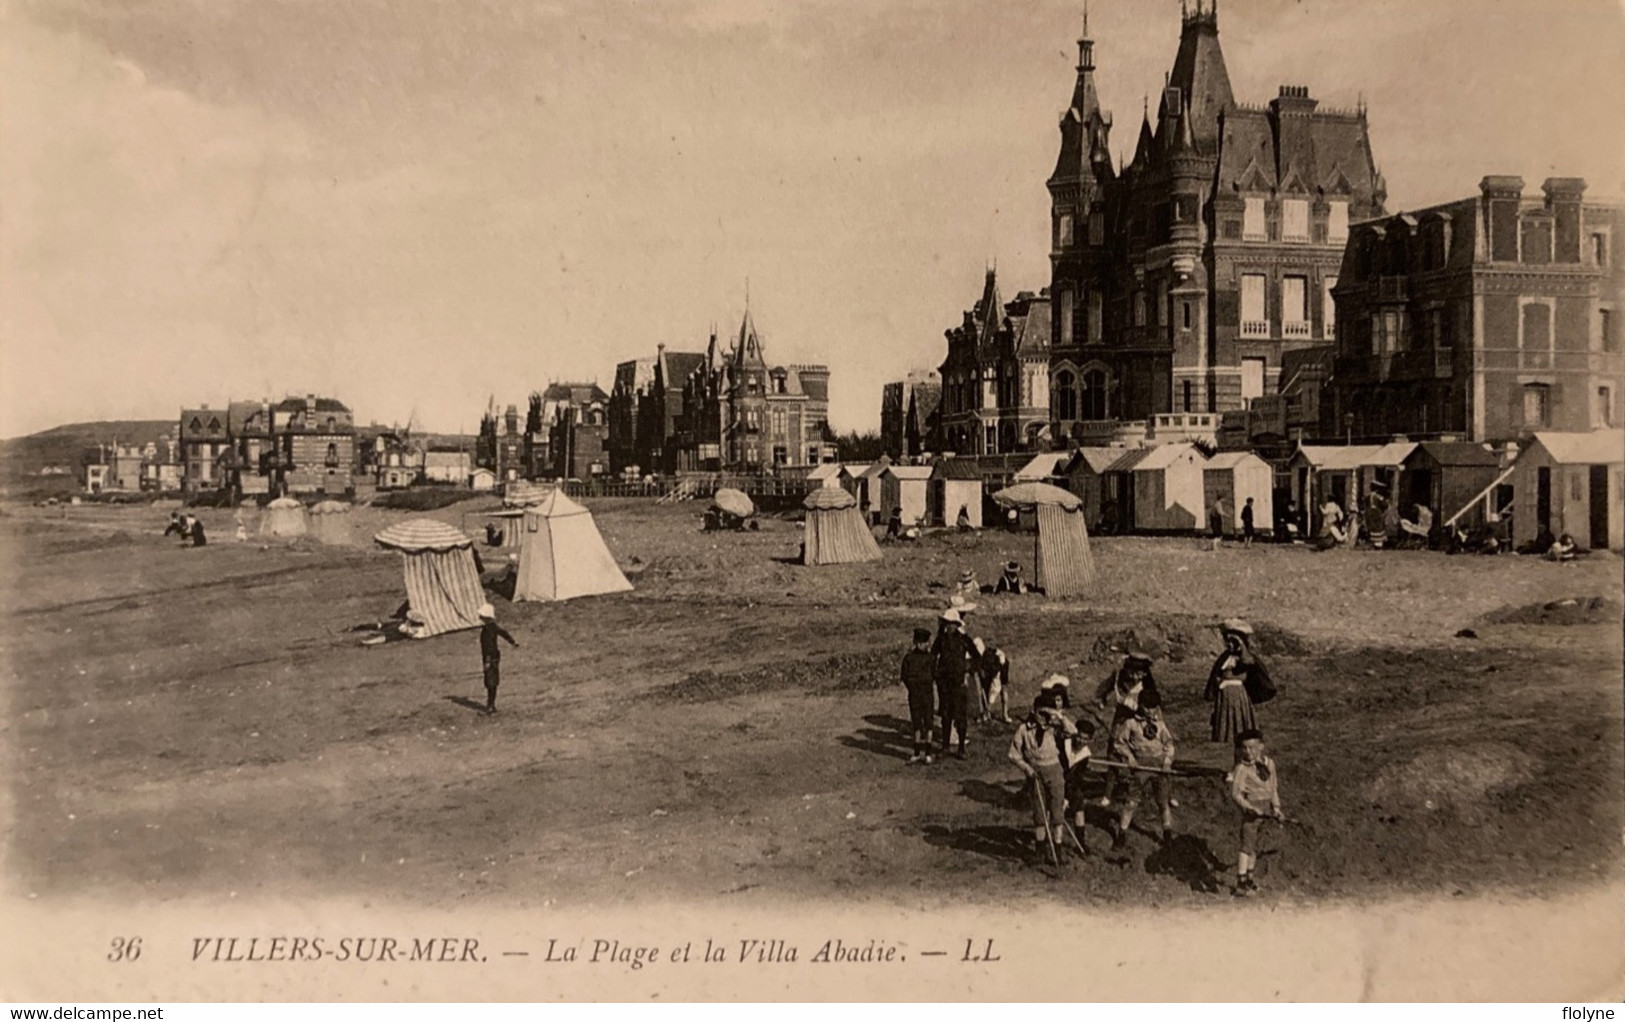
[(1564, 482)]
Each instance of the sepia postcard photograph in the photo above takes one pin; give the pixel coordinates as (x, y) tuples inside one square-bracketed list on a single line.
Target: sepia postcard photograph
[(811, 500)]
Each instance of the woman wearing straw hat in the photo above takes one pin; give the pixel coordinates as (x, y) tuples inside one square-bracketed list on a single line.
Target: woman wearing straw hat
[(967, 586), (953, 662), (1227, 683)]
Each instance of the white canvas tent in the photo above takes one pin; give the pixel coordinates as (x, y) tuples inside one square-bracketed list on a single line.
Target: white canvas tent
[(561, 554), (284, 517), (330, 523)]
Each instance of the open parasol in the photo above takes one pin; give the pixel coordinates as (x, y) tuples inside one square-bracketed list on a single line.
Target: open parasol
[(1025, 495), (330, 507), (418, 534), (734, 502), (284, 502)]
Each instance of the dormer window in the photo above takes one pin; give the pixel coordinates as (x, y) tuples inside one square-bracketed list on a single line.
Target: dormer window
[(1252, 220), (1337, 222), (1295, 220)]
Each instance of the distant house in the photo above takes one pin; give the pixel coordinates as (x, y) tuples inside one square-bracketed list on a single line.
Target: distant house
[(314, 441), (204, 437), (249, 467), (96, 477), (447, 464), (482, 480)]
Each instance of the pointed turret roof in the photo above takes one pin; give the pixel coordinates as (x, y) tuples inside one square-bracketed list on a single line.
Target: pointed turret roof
[(748, 350), (989, 309), (1083, 126), (1145, 146), (1199, 72)]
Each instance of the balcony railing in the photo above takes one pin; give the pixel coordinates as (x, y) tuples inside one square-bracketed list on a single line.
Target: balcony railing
[(1300, 328), (1255, 328)]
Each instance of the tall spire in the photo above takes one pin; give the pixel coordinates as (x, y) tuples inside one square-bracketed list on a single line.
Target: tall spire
[(1086, 45), (1083, 126)]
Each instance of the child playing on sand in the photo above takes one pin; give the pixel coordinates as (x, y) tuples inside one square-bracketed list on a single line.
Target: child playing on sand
[(1143, 739), (1255, 789)]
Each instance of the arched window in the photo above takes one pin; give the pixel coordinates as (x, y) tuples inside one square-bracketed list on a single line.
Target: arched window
[(1066, 396), (1094, 395), (332, 455)]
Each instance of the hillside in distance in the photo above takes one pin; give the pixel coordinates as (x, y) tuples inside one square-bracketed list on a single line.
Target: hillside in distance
[(65, 445)]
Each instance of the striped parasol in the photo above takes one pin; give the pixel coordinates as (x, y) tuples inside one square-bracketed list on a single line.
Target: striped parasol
[(1024, 495), (418, 534), (828, 498)]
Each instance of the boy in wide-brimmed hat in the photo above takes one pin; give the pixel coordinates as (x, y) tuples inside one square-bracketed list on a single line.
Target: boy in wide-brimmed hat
[(1037, 750), (491, 653), (1010, 581), (1122, 692)]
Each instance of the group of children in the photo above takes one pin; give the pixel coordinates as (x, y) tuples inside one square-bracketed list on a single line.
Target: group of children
[(1052, 748)]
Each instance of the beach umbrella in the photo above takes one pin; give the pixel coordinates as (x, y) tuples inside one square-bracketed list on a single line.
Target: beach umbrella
[(284, 502), (417, 534), (1024, 495), (734, 502)]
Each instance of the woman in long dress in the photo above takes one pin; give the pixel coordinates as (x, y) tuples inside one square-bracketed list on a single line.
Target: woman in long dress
[(1227, 683)]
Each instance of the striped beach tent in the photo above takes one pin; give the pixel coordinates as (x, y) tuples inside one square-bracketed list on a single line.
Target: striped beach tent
[(1063, 563), (511, 522), (836, 531), (442, 585)]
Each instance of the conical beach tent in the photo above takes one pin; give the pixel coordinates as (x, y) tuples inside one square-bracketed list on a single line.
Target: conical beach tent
[(330, 522), (836, 532), (283, 517), (562, 555), (442, 586), (1063, 564)]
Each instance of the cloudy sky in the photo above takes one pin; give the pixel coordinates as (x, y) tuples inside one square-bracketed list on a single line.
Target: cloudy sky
[(414, 204)]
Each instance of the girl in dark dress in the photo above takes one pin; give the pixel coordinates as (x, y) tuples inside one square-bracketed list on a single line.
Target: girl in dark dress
[(1227, 683)]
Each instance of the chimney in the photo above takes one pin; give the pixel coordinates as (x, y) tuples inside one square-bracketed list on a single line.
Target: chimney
[(1563, 197), (1502, 195)]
